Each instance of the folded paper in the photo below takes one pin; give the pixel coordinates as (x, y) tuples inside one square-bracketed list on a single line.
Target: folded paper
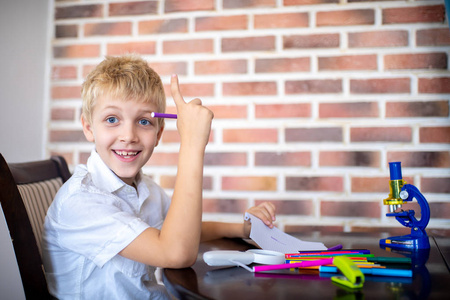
[(276, 240)]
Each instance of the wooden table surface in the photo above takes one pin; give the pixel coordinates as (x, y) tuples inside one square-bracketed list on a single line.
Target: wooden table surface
[(431, 279)]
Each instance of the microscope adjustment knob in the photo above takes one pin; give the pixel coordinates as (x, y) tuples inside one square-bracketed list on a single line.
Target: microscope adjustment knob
[(404, 195)]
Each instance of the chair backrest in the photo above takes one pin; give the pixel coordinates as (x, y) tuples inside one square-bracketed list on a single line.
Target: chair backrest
[(27, 189)]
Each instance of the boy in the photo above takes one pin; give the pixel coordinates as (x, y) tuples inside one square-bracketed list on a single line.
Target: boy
[(110, 226)]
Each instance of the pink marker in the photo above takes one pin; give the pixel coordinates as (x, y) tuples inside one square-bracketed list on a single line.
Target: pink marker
[(161, 115), (303, 264)]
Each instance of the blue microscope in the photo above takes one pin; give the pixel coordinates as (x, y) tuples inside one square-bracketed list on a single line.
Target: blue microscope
[(399, 193)]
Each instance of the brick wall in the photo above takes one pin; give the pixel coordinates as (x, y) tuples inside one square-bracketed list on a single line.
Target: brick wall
[(312, 99)]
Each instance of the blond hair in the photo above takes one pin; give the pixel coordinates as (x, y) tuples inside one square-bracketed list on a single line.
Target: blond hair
[(126, 77)]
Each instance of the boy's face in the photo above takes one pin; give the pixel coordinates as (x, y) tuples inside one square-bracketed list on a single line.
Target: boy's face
[(124, 134)]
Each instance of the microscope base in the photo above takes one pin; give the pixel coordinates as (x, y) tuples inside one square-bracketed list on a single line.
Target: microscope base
[(406, 242)]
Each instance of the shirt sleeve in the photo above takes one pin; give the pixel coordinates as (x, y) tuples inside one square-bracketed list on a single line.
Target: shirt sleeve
[(95, 226)]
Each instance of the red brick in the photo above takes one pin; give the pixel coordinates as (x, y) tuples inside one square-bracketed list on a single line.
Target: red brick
[(172, 136), (236, 66), (321, 134), (375, 231), (318, 86), (66, 92), (350, 209), (349, 110), (64, 72), (83, 157), (236, 206), (110, 28), (133, 8), (78, 11), (163, 26), (322, 184), (169, 68), (283, 159), (374, 184), (435, 135), (282, 65), (307, 2), (433, 37), (249, 183), (440, 185), (238, 22), (311, 41), (132, 47), (345, 17), (380, 86), (300, 110), (437, 85), (369, 39), (349, 159), (229, 111), (291, 207), (76, 51), (310, 229), (416, 61), (249, 88), (163, 159), (418, 14), (67, 136), (439, 210), (225, 159), (66, 31), (188, 5), (250, 135), (286, 20), (188, 46), (259, 43), (417, 109), (248, 3), (68, 156), (193, 90), (62, 114), (168, 182), (370, 185), (381, 134), (421, 159), (348, 62)]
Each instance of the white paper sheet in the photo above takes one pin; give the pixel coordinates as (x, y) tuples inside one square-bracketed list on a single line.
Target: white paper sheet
[(276, 240)]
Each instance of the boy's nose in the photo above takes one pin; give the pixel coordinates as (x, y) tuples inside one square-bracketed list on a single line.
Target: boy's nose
[(128, 134)]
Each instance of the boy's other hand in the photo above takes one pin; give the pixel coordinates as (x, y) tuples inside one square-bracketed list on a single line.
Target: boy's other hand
[(194, 119), (264, 211)]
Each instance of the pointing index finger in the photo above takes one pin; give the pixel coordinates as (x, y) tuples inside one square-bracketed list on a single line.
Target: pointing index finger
[(175, 90)]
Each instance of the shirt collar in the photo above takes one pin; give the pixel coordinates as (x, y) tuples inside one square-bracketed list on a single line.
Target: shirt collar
[(102, 176)]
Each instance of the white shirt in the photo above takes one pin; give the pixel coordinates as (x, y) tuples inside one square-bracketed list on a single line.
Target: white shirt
[(93, 217)]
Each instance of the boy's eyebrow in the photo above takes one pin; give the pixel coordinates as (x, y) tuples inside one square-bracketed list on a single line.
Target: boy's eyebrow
[(140, 111)]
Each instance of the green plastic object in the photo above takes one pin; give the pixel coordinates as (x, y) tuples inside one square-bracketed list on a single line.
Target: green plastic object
[(353, 277)]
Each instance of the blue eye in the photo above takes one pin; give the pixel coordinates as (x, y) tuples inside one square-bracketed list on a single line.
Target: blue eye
[(111, 120), (144, 122)]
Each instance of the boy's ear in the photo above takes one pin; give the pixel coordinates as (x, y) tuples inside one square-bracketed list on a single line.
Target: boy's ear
[(158, 136), (87, 129)]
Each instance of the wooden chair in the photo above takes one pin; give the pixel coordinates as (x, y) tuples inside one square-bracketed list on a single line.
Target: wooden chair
[(26, 192)]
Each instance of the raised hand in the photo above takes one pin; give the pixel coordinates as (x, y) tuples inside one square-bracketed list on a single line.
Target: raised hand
[(194, 119)]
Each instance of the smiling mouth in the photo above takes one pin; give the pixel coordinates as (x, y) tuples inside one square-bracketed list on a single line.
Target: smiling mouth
[(126, 154)]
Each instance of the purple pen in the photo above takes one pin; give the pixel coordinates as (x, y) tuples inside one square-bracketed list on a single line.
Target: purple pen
[(161, 115)]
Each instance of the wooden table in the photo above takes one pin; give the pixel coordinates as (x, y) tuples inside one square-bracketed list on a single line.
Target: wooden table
[(431, 279)]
